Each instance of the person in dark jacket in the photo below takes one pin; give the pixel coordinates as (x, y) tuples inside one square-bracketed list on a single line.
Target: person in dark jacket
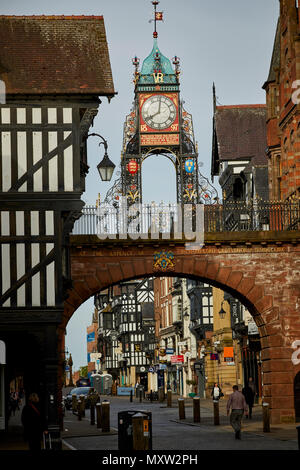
[(249, 397), (33, 423), (216, 392)]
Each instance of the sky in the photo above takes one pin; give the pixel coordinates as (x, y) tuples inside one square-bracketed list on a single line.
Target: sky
[(228, 43)]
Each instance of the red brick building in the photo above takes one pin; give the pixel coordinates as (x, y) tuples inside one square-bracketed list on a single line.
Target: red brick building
[(282, 89)]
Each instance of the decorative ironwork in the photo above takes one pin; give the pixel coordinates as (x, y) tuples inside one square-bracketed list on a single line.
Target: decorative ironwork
[(207, 192)]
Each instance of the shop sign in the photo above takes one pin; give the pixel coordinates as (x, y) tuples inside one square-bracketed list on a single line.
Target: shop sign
[(214, 356), (177, 359), (169, 351), (229, 361), (228, 352)]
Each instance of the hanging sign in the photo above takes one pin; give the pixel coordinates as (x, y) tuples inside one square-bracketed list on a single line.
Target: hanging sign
[(132, 167), (252, 328), (177, 359), (228, 352)]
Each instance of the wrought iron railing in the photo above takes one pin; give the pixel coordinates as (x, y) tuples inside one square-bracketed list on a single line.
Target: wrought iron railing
[(165, 218), (235, 216)]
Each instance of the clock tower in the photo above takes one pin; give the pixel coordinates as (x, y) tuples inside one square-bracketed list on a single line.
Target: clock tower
[(158, 124)]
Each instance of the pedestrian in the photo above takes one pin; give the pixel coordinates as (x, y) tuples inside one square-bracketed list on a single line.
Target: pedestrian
[(33, 423), (13, 402), (136, 388), (216, 392), (249, 397), (238, 406), (252, 386)]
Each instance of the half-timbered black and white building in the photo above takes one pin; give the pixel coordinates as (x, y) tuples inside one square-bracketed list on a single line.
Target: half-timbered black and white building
[(127, 330), (54, 70)]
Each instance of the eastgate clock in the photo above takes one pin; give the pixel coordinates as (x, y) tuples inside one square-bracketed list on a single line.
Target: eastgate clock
[(159, 112)]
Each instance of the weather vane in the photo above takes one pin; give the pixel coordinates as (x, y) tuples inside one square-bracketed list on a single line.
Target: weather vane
[(158, 16)]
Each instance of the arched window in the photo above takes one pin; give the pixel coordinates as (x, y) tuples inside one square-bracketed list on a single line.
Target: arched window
[(238, 189)]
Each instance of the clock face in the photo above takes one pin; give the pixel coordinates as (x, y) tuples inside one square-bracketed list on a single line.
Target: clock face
[(159, 112)]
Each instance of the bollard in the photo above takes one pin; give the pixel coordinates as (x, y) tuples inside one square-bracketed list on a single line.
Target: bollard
[(105, 415), (181, 408), (98, 412), (298, 429), (82, 398), (161, 394), (79, 410), (131, 395), (151, 396), (196, 410), (169, 398), (140, 431), (266, 417), (141, 395), (92, 412), (216, 413)]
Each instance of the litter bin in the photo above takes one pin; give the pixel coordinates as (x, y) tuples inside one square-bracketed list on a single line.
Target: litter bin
[(125, 434)]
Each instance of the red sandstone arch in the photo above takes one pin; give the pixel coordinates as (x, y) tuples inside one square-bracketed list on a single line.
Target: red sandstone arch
[(264, 278)]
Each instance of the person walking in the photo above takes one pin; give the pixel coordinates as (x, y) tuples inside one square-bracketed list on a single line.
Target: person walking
[(33, 423), (13, 403), (249, 397), (216, 392), (238, 406)]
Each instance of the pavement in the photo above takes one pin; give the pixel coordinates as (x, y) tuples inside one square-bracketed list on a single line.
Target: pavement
[(169, 432)]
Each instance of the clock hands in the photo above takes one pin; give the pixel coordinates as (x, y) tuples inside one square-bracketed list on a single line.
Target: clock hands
[(158, 111)]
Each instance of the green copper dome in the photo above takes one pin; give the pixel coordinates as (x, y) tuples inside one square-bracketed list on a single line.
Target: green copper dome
[(155, 63)]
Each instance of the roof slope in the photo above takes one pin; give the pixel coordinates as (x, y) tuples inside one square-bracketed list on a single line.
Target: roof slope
[(241, 132), (275, 61), (55, 54)]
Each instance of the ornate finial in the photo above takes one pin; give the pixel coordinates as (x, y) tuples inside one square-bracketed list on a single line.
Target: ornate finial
[(158, 16), (136, 63), (176, 62), (214, 97)]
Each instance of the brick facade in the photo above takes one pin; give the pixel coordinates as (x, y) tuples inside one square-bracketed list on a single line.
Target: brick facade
[(283, 112)]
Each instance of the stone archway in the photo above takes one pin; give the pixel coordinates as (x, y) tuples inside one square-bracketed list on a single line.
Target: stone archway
[(262, 277)]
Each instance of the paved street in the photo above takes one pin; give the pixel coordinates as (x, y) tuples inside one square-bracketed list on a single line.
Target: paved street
[(171, 434)]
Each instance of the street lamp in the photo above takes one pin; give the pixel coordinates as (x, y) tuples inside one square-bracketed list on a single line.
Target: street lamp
[(106, 166), (222, 312)]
